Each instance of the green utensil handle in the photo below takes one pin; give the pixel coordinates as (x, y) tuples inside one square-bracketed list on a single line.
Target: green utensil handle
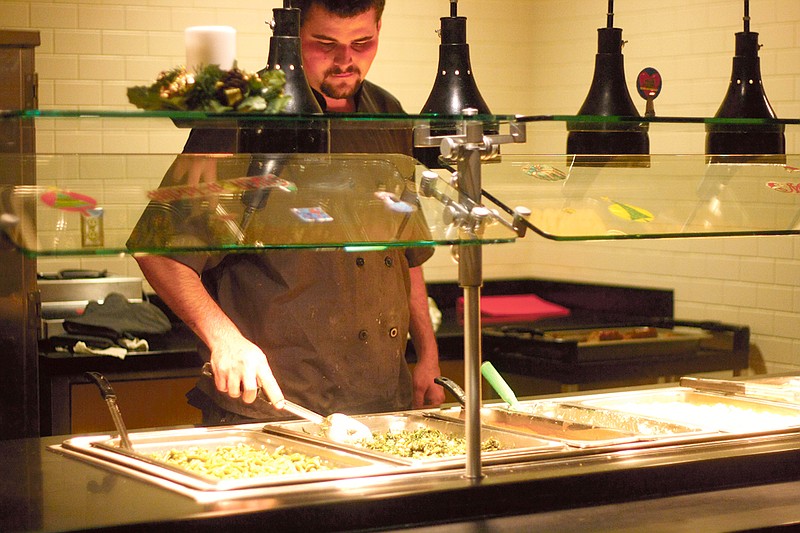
[(498, 383)]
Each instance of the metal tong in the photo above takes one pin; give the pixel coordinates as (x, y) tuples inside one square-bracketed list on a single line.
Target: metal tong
[(452, 387), (110, 397), (338, 427)]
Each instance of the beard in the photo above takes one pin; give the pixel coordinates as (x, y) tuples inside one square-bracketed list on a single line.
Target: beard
[(341, 89)]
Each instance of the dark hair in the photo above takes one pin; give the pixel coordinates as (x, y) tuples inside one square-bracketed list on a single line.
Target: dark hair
[(341, 8)]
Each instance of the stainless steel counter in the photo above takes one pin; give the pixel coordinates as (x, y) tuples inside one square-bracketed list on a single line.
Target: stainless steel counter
[(46, 491)]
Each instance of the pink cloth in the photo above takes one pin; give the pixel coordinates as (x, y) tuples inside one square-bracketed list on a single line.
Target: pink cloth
[(513, 308)]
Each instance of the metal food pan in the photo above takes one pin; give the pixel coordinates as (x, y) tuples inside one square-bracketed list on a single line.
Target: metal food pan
[(641, 426), (709, 411), (778, 381), (779, 389), (511, 443), (574, 434), (341, 463), (784, 389)]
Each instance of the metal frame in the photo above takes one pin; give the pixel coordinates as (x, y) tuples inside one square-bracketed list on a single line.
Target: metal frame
[(468, 148)]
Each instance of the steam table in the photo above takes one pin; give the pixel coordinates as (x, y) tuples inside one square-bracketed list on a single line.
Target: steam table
[(743, 486)]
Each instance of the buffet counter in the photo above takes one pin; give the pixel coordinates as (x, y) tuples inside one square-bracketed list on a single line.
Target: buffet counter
[(561, 470), (697, 481)]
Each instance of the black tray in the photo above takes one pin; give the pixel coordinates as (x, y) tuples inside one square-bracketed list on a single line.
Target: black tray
[(576, 345)]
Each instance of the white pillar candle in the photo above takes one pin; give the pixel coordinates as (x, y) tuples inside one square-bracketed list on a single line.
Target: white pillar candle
[(210, 45)]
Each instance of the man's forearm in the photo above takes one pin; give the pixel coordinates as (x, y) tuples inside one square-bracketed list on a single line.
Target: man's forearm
[(426, 392), (182, 290), (420, 325), (240, 367)]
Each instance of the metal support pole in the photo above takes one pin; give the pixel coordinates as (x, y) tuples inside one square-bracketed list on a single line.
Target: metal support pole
[(472, 365), (470, 275), (468, 148)]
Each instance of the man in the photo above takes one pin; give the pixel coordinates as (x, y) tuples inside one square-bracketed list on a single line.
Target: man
[(327, 328), (340, 41)]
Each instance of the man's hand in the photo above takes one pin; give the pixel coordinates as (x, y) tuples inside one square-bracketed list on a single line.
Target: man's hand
[(426, 392), (241, 368)]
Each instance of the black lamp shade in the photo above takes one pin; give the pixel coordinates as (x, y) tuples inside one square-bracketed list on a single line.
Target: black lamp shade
[(285, 54), (291, 136), (746, 98), (608, 96), (454, 88)]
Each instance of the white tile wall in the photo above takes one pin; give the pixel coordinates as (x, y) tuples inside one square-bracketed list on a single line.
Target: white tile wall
[(529, 57)]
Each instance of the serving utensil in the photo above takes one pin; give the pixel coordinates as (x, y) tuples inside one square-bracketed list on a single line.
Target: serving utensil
[(452, 387), (110, 397), (499, 384), (338, 427)]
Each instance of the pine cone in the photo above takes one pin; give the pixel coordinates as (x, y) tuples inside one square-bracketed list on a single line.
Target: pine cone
[(232, 87)]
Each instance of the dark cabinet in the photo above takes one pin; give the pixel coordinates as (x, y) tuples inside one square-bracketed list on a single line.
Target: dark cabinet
[(18, 293)]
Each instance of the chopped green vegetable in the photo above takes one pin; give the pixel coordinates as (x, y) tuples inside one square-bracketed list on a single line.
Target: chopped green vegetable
[(423, 442)]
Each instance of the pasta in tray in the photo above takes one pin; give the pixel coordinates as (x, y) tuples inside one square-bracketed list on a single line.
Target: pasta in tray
[(241, 461)]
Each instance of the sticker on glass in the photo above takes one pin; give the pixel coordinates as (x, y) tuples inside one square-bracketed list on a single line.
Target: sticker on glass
[(629, 212), (312, 214), (544, 172), (68, 201)]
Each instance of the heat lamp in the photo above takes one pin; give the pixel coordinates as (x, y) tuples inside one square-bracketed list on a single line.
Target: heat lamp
[(597, 142), (740, 143), (454, 88), (267, 142)]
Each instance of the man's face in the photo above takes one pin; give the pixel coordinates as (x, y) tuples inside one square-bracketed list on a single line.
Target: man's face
[(337, 52)]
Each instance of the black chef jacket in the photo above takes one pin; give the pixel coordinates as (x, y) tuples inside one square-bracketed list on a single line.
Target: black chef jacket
[(333, 324)]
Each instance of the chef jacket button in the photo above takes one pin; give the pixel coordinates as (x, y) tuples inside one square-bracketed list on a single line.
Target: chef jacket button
[(388, 261), (393, 332), (360, 261), (362, 335)]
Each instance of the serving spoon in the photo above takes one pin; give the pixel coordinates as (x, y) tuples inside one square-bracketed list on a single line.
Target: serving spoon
[(107, 391)]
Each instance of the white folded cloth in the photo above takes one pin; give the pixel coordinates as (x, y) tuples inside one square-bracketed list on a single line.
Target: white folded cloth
[(134, 345), (114, 351)]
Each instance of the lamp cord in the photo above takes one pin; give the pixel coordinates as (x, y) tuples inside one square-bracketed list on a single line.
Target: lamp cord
[(746, 16)]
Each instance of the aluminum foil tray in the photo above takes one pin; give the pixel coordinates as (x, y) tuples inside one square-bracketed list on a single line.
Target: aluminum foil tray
[(709, 411), (575, 434), (341, 463), (512, 444), (642, 427), (778, 389)]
